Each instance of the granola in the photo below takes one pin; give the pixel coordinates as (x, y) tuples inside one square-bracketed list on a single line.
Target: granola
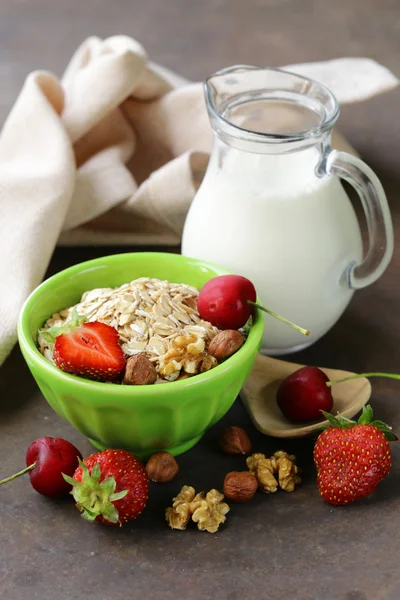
[(154, 317)]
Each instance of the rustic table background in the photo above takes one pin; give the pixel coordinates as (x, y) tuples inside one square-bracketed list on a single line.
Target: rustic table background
[(280, 546)]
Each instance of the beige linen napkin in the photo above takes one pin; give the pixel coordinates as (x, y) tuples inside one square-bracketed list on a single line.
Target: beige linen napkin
[(112, 153)]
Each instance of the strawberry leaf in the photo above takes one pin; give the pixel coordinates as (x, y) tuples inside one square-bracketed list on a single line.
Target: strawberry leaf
[(391, 437), (47, 336), (118, 495), (85, 470), (380, 425), (71, 481), (87, 514), (110, 513), (50, 335), (95, 474), (365, 419), (366, 416), (108, 485), (323, 427), (95, 498), (386, 430), (247, 326), (338, 421), (345, 423), (332, 420)]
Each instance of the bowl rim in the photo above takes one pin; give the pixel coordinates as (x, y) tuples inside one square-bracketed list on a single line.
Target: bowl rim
[(124, 391)]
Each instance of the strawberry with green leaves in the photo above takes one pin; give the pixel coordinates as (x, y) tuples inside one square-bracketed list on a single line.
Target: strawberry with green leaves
[(352, 458), (89, 350), (110, 487)]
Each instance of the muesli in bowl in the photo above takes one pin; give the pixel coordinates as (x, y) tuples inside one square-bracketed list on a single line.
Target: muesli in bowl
[(141, 418), (161, 336)]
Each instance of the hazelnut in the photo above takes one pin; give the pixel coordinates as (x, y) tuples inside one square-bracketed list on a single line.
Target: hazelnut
[(139, 370), (225, 343), (240, 486), (235, 440), (162, 467)]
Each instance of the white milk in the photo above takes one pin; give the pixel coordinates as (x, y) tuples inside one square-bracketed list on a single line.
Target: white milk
[(293, 234)]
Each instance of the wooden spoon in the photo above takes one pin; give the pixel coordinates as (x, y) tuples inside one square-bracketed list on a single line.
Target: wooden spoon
[(259, 397)]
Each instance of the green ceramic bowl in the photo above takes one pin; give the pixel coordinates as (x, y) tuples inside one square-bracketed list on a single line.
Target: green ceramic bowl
[(143, 419)]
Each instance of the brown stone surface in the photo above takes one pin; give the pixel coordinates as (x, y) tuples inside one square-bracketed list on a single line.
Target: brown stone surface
[(279, 546)]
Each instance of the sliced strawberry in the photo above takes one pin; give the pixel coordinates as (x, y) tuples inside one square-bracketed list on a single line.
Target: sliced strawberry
[(91, 350)]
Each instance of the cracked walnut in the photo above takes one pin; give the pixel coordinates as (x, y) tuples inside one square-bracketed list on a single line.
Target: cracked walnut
[(178, 515), (207, 510), (210, 512), (279, 470)]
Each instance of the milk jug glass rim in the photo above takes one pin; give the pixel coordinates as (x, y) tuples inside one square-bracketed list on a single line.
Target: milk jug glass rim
[(240, 84)]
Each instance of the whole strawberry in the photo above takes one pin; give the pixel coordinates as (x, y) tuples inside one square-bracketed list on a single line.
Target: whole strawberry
[(352, 458), (110, 487)]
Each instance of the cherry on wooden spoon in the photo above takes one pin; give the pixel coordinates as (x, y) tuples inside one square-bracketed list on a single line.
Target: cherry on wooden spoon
[(47, 459), (227, 301), (303, 394)]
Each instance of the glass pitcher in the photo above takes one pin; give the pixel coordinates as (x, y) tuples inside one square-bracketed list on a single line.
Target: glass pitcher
[(271, 206)]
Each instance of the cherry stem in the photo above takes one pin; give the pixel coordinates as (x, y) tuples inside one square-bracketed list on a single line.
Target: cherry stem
[(387, 375), (282, 319), (26, 470)]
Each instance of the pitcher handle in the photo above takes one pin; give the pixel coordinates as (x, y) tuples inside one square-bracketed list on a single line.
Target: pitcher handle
[(377, 213)]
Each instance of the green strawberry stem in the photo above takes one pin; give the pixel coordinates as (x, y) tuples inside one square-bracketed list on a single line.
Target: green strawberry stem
[(93, 497), (279, 317), (50, 335), (387, 375), (366, 418), (26, 470)]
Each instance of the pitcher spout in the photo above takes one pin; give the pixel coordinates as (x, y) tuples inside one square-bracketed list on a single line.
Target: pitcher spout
[(264, 105), (221, 86)]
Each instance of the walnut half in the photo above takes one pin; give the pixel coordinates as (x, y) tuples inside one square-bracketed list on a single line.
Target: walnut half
[(210, 511), (207, 510), (186, 356), (263, 469), (288, 471), (280, 469), (178, 516)]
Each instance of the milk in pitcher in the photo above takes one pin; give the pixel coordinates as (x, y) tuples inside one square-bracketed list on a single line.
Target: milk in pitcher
[(271, 206)]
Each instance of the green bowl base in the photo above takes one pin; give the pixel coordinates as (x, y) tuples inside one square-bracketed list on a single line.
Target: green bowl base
[(174, 450)]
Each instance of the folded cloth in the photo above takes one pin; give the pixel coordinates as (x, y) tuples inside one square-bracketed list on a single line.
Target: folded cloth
[(112, 153)]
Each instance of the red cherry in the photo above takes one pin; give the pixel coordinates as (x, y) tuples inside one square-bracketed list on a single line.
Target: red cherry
[(223, 301), (47, 458), (227, 301), (303, 394)]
